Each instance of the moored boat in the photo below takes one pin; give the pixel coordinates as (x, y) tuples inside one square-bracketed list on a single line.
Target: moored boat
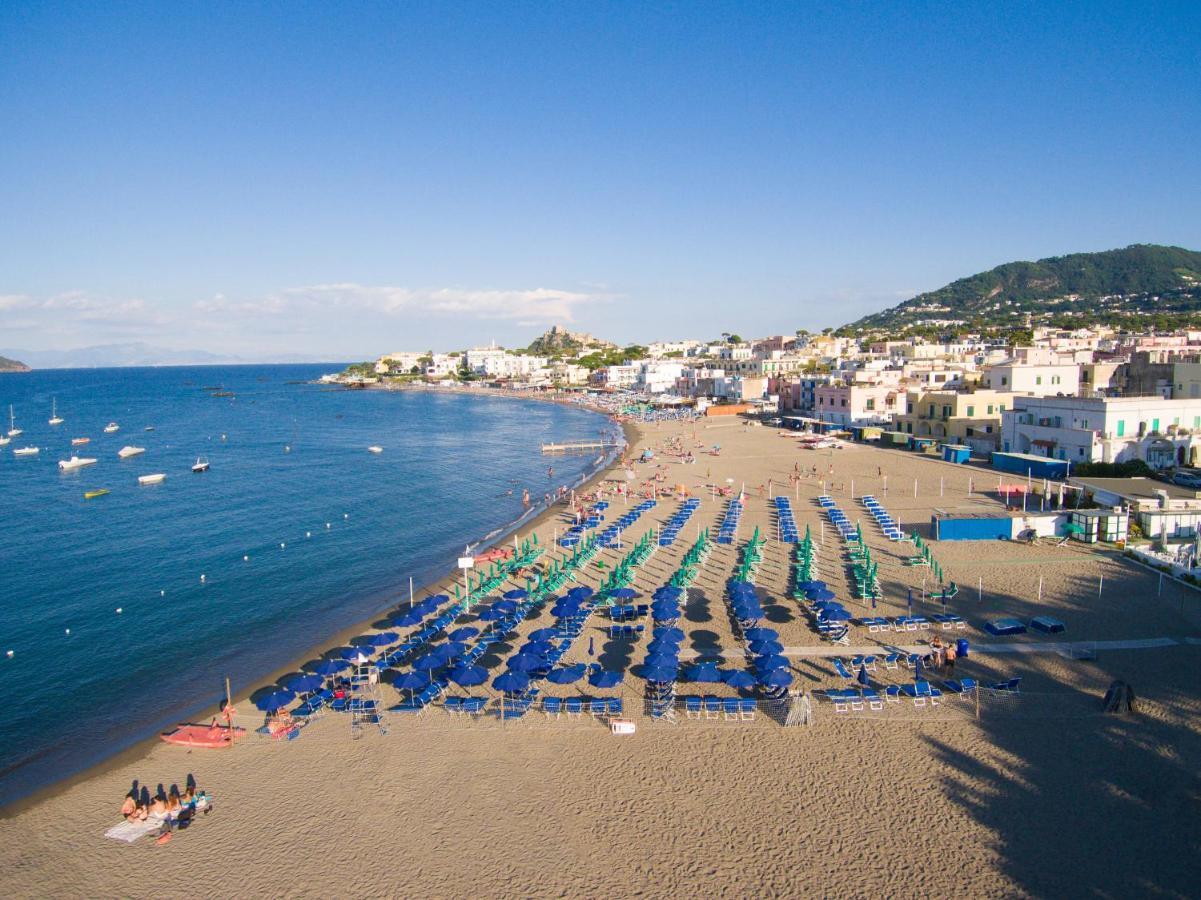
[(127, 452), (13, 430), (156, 478), (75, 462), (375, 449), (111, 427), (201, 465), (100, 492), (25, 451), (204, 737), (79, 442), (55, 418)]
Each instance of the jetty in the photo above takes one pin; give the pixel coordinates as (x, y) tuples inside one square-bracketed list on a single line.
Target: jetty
[(580, 446)]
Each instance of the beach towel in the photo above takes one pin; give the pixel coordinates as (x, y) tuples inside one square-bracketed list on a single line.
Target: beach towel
[(131, 831)]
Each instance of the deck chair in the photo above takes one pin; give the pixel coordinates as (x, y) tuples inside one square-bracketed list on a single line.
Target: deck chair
[(552, 706), (747, 708), (730, 708), (693, 707), (712, 708), (574, 707), (892, 694), (872, 697)]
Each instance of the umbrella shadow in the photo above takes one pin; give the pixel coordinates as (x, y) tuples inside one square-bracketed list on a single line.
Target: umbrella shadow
[(616, 653), (495, 655), (706, 643), (697, 608)]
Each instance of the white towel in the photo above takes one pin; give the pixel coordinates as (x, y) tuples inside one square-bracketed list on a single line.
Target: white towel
[(131, 831)]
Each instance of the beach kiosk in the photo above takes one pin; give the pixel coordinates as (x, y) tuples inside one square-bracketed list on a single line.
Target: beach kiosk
[(1109, 525), (956, 453)]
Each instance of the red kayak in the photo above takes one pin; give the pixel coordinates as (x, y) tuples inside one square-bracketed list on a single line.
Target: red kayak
[(494, 555)]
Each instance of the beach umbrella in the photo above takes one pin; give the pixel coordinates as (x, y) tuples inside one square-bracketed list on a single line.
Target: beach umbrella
[(767, 663), (704, 673), (413, 681), (565, 609), (873, 599), (382, 639), (624, 593), (591, 650), (917, 669), (819, 595), (544, 634), (429, 662), (662, 658), (580, 592), (492, 614), (462, 634), (759, 634), (567, 674), (527, 663), (761, 648), (329, 666), (605, 678), (776, 678), (663, 645), (536, 648), (667, 592), (740, 678), (437, 599), (909, 600), (507, 606), (862, 676), (468, 676), (516, 594), (671, 634), (451, 649), (275, 700), (834, 614), (303, 684), (361, 654), (660, 675), (511, 682), (406, 619)]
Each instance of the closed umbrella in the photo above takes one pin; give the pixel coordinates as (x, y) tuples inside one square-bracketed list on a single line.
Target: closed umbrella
[(275, 700), (303, 684), (605, 678), (861, 677)]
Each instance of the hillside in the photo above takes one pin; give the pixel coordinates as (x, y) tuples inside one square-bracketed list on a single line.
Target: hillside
[(1137, 286), (11, 365), (559, 342)]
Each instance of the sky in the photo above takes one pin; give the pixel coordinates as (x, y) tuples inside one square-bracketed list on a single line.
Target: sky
[(343, 180)]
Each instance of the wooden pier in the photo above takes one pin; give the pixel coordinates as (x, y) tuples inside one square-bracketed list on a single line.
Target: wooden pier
[(580, 447)]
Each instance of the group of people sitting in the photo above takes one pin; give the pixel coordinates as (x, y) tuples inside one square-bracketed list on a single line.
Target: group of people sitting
[(941, 656), (171, 809)]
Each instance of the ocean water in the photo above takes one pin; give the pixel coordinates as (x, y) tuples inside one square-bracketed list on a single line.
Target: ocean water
[(331, 534)]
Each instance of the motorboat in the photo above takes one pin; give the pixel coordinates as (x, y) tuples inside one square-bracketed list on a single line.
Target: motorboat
[(25, 451), (111, 427), (75, 462), (79, 442), (152, 479), (201, 465), (148, 428), (55, 418), (13, 430), (375, 449), (127, 452), (5, 441), (100, 492)]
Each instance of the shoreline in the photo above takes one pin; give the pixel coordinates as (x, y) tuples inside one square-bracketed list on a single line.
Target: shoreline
[(141, 748)]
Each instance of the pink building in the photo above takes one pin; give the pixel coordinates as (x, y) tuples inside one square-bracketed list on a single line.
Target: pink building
[(855, 404)]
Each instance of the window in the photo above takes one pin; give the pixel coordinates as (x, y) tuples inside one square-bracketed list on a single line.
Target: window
[(990, 409), (1001, 408), (1155, 424), (1038, 379), (1054, 379), (1121, 427), (1004, 381), (870, 404), (931, 410), (844, 401), (946, 411), (971, 411), (1080, 451)]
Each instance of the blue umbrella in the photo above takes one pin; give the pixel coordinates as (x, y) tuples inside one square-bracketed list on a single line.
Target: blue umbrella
[(451, 649), (835, 615), (355, 653), (667, 592), (767, 663), (468, 676), (511, 682), (624, 593), (704, 673), (662, 658), (567, 674), (565, 609), (407, 618), (425, 606), (740, 678), (765, 648), (544, 634), (507, 605), (413, 681), (605, 678), (462, 634), (660, 674), (302, 684), (382, 639), (492, 614), (591, 650), (580, 592), (675, 634), (823, 594), (329, 666), (516, 594), (874, 601), (436, 599), (761, 634), (917, 669), (862, 676), (776, 678), (740, 586), (663, 645), (909, 600), (275, 700), (429, 662), (536, 648), (527, 663)]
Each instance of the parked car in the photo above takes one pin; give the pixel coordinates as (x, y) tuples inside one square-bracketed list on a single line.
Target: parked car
[(1189, 478)]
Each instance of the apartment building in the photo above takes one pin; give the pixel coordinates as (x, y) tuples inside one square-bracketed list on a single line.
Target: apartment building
[(972, 418)]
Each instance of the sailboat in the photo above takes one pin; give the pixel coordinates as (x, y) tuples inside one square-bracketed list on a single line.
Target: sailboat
[(13, 430), (55, 418)]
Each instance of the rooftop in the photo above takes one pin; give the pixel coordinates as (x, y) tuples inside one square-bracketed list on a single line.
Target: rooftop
[(1137, 488)]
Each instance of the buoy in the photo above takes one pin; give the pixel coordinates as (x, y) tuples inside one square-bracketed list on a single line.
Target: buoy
[(308, 534), (162, 593), (345, 515), (68, 631), (245, 559), (118, 610), (282, 545), (202, 578), (327, 524), (9, 654)]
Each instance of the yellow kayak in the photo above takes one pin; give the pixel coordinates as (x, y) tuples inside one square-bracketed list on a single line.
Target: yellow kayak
[(88, 495)]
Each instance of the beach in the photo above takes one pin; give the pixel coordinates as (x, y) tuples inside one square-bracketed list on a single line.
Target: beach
[(1038, 794)]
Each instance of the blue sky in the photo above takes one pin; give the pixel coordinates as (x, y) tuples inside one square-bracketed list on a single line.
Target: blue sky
[(346, 179)]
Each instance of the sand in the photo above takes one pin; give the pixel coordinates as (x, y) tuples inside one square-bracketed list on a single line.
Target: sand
[(1040, 795)]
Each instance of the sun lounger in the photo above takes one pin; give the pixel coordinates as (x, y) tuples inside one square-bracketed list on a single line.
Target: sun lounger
[(960, 686), (453, 705), (573, 707), (128, 832), (747, 708), (872, 696), (552, 706), (892, 661), (693, 707), (712, 707), (1009, 686), (731, 708), (892, 693)]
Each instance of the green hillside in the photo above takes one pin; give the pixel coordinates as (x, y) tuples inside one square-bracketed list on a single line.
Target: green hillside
[(1138, 286)]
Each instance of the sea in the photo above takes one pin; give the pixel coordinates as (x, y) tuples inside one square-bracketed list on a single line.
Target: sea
[(124, 613)]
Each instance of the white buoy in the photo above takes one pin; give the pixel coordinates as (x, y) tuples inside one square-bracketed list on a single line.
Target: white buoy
[(162, 593), (245, 559), (9, 654), (345, 515), (202, 578), (282, 545), (308, 534), (68, 631), (327, 524), (119, 610)]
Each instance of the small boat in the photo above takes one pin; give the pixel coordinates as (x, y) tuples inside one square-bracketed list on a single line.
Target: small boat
[(148, 428), (127, 452), (55, 418), (75, 462), (25, 451), (151, 479), (375, 449), (111, 427), (13, 430), (5, 441), (79, 442), (201, 465), (89, 495), (203, 737)]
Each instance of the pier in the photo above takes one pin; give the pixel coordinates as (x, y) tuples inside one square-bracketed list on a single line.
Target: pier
[(580, 446)]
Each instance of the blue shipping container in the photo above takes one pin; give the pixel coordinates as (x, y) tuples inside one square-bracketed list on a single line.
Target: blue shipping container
[(972, 528), (1036, 466)]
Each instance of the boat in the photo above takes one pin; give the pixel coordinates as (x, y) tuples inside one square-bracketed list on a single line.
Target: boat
[(55, 418), (151, 479), (13, 430), (111, 427), (375, 449), (25, 451), (79, 442), (100, 492), (127, 452), (75, 462), (148, 428), (203, 737), (5, 441), (201, 465)]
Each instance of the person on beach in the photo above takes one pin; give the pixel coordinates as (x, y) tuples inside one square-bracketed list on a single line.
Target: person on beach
[(129, 808), (949, 657)]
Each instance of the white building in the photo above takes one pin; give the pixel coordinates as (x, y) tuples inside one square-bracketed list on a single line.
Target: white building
[(401, 363), (658, 377), (1035, 379), (1162, 433)]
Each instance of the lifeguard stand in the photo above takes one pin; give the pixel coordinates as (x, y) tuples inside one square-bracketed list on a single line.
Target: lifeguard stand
[(364, 702)]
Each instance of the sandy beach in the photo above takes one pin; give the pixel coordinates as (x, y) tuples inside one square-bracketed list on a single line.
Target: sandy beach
[(1039, 794)]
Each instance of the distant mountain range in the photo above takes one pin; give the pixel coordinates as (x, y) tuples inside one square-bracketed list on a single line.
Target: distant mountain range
[(138, 354), (1138, 286)]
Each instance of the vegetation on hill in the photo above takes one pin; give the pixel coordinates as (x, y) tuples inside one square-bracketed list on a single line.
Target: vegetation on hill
[(614, 357), (12, 365), (559, 342), (1141, 286)]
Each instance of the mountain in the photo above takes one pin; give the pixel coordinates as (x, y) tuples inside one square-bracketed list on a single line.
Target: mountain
[(11, 365), (558, 342), (138, 354), (1136, 286)]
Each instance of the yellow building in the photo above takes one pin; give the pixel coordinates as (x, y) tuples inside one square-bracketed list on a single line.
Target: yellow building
[(956, 417)]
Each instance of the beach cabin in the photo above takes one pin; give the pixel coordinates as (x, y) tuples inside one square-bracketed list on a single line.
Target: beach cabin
[(1028, 464), (974, 525), (956, 453), (1096, 525), (894, 439), (923, 445)]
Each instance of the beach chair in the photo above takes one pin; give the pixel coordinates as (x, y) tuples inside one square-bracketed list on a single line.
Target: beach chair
[(892, 694), (841, 700), (730, 709), (573, 707), (872, 696), (552, 707), (841, 668), (693, 707), (747, 707), (616, 706), (856, 699), (712, 708), (453, 706), (892, 661), (598, 708)]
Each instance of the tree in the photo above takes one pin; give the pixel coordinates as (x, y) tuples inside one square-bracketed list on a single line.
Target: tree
[(734, 338)]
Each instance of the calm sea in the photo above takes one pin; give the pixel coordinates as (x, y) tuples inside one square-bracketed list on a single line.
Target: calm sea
[(331, 534)]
